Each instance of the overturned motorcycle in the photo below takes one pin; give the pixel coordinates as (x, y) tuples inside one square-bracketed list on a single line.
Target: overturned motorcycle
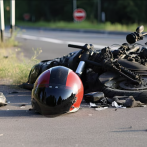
[(122, 72)]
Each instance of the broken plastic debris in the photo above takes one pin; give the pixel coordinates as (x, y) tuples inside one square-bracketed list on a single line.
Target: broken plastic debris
[(101, 108), (2, 99), (82, 105), (143, 106), (93, 105), (13, 92), (30, 109), (22, 107), (114, 104)]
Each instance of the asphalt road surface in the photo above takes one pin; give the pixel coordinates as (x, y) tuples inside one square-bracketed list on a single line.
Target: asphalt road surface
[(55, 43), (20, 126)]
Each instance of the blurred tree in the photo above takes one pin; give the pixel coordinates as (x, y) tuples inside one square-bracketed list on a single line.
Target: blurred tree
[(90, 7), (122, 11), (7, 11), (21, 8), (125, 11), (52, 10)]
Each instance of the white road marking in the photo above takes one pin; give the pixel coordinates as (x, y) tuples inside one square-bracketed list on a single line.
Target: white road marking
[(54, 40), (99, 46), (28, 37), (50, 40)]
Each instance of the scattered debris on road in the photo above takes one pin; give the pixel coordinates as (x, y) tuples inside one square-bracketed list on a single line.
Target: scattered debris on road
[(13, 92), (101, 108), (2, 100), (100, 102), (22, 106)]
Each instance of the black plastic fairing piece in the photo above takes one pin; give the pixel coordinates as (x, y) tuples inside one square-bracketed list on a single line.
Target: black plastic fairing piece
[(72, 63), (131, 65), (93, 97), (93, 63)]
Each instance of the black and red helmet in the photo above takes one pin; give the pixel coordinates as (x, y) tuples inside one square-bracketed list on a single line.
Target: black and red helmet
[(57, 90)]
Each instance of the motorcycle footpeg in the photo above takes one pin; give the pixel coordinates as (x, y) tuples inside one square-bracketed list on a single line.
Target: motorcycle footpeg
[(93, 97)]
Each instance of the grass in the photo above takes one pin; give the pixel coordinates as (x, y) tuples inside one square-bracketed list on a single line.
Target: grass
[(9, 42), (82, 25), (14, 68)]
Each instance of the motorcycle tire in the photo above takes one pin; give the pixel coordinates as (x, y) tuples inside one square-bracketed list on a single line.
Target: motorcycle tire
[(140, 95), (112, 88)]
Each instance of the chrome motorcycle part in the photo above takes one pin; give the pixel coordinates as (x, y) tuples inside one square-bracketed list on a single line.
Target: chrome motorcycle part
[(80, 68)]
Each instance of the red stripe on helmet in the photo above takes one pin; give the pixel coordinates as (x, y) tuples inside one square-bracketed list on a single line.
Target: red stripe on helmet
[(44, 78), (73, 79)]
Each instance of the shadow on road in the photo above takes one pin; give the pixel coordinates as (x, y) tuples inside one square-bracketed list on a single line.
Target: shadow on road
[(18, 113)]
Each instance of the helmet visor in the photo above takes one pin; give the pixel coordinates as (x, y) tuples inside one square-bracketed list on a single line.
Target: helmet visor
[(55, 100)]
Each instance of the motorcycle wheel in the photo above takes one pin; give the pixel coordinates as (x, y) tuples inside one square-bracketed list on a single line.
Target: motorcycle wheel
[(122, 87)]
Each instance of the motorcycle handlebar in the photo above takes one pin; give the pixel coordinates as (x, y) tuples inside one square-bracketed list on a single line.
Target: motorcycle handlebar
[(79, 47), (93, 63), (75, 46)]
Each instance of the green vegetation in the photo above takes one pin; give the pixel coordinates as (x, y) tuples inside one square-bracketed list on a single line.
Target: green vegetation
[(9, 42), (14, 68), (82, 25)]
